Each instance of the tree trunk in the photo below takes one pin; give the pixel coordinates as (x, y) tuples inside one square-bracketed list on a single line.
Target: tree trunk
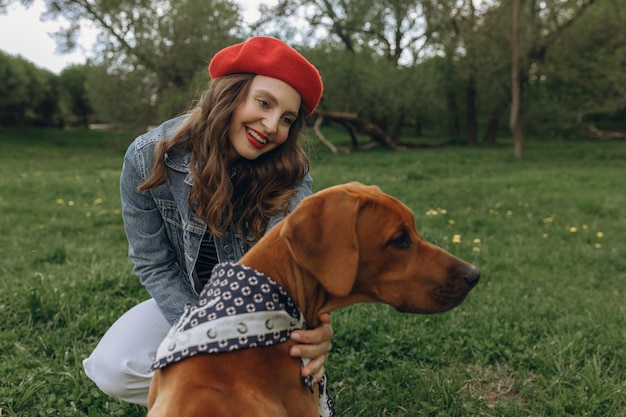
[(353, 138), (493, 125), (453, 117), (418, 127), (514, 123), (396, 130), (472, 125)]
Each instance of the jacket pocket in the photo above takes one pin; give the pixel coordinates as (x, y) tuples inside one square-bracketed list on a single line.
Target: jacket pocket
[(173, 227)]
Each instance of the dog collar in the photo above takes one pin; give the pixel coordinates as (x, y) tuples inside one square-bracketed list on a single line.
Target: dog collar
[(238, 308)]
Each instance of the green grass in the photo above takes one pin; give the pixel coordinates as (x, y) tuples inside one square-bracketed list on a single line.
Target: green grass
[(541, 335)]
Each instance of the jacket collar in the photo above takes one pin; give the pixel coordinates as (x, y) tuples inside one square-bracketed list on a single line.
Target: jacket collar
[(178, 160)]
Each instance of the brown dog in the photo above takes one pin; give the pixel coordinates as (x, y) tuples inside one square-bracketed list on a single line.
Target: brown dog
[(343, 245)]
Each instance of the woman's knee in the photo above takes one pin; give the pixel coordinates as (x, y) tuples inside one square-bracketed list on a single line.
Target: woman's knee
[(117, 377), (110, 373), (121, 363)]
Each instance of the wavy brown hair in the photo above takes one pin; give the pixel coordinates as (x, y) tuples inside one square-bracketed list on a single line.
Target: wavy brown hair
[(261, 188)]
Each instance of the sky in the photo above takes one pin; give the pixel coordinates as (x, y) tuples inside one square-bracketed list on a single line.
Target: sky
[(23, 33)]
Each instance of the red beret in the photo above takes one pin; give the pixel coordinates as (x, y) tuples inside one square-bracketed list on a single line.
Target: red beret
[(273, 58)]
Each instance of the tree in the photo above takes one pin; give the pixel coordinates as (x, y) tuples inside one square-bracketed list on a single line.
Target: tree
[(163, 45), (13, 90), (544, 24), (393, 29), (425, 64), (364, 55), (583, 76), (28, 95), (515, 83), (45, 99), (374, 88), (442, 20), (74, 98)]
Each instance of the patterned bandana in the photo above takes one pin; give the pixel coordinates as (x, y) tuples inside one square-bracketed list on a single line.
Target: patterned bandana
[(239, 308)]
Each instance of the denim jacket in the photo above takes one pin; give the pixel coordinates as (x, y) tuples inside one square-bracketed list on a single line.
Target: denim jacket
[(163, 235)]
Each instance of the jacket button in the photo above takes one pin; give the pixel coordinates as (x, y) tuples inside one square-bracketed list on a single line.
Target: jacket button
[(228, 249)]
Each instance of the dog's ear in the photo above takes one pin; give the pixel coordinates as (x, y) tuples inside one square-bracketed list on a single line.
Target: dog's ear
[(321, 235)]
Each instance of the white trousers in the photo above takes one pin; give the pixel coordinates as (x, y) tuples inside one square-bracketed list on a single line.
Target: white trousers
[(120, 363)]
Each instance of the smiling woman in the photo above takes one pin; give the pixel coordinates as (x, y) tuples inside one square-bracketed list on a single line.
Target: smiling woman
[(202, 188)]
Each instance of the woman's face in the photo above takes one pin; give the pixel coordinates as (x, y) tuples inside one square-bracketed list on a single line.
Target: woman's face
[(262, 122)]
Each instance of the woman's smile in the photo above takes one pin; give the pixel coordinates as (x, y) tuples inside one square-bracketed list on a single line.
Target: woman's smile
[(256, 139), (262, 122)]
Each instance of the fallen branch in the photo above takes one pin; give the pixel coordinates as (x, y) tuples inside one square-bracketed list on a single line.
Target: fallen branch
[(602, 135), (322, 138), (353, 123)]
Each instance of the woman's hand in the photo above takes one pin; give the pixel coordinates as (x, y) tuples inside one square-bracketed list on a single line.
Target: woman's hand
[(313, 344)]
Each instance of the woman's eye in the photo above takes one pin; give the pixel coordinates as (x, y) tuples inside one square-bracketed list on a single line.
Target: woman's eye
[(263, 103), (288, 121)]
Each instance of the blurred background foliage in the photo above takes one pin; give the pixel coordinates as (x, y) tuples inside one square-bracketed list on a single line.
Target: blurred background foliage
[(427, 67)]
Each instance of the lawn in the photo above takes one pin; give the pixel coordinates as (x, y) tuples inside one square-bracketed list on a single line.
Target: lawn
[(542, 334)]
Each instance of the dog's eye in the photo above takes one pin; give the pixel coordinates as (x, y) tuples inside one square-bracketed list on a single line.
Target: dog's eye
[(401, 241)]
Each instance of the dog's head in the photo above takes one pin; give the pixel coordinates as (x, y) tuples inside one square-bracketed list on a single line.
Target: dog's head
[(361, 245)]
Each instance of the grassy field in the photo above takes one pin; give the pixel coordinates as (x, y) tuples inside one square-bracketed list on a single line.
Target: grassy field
[(543, 334)]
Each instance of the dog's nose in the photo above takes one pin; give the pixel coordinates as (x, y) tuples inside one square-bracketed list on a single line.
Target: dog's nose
[(471, 276)]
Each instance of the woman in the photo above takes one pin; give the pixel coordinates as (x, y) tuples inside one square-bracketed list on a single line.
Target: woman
[(201, 189)]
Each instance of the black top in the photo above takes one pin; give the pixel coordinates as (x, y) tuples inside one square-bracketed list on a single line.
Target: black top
[(207, 259)]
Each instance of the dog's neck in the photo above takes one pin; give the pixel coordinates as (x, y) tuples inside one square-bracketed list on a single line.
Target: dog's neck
[(271, 256)]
